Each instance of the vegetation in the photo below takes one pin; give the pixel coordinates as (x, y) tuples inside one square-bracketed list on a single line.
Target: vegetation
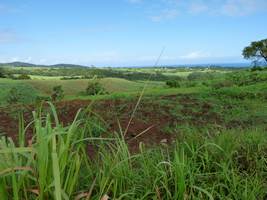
[(13, 96), (226, 165), (94, 88), (58, 93), (173, 83), (202, 137), (19, 77), (16, 93), (256, 51), (2, 73)]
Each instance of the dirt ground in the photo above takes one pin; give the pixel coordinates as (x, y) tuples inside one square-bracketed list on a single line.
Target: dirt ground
[(146, 126)]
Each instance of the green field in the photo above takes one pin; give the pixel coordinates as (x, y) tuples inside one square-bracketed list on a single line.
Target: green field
[(44, 86)]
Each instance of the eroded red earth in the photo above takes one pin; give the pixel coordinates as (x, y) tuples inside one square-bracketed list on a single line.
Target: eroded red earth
[(147, 125)]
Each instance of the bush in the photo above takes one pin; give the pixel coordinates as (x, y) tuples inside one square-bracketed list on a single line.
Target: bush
[(13, 96), (58, 93), (222, 84), (173, 83), (23, 77), (2, 73), (94, 88), (256, 68), (200, 76), (204, 83)]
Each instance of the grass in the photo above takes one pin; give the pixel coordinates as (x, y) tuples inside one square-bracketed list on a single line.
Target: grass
[(74, 87), (227, 164), (150, 92), (29, 93), (206, 161)]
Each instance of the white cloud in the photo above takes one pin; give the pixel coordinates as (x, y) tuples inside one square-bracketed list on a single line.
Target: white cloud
[(196, 55), (167, 14)]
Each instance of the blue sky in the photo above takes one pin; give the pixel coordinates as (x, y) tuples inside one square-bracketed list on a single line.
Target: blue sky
[(129, 32)]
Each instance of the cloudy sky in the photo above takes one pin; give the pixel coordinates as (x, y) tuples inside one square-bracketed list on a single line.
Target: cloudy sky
[(129, 32)]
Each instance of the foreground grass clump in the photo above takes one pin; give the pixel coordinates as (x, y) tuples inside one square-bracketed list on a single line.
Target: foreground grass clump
[(229, 164)]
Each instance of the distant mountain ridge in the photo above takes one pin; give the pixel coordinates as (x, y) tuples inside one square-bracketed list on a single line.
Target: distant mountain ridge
[(23, 64)]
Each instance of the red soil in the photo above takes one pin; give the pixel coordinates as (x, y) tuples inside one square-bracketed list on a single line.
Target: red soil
[(149, 133)]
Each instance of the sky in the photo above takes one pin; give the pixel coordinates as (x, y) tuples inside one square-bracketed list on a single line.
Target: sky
[(129, 32)]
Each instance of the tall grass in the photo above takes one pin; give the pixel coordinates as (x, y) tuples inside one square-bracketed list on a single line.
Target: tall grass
[(230, 164)]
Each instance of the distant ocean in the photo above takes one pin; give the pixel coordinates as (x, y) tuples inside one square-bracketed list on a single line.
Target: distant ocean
[(230, 65), (217, 65)]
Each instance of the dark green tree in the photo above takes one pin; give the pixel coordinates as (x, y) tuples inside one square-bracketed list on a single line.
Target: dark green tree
[(2, 73), (256, 51)]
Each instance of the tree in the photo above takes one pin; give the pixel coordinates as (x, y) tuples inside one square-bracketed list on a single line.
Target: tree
[(2, 73), (256, 51)]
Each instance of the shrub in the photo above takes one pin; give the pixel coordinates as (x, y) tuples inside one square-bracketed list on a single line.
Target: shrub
[(94, 88), (191, 84), (2, 73), (204, 83), (24, 94), (200, 76), (256, 68), (23, 77), (222, 84), (58, 93), (13, 96), (173, 83)]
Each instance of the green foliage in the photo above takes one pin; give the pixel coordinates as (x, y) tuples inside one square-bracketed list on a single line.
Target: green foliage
[(58, 93), (87, 73), (75, 77), (13, 96), (228, 164), (242, 79), (20, 94), (94, 88), (189, 84), (173, 83), (200, 76), (256, 68), (2, 73), (207, 161), (23, 77), (256, 51), (41, 99), (222, 84)]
